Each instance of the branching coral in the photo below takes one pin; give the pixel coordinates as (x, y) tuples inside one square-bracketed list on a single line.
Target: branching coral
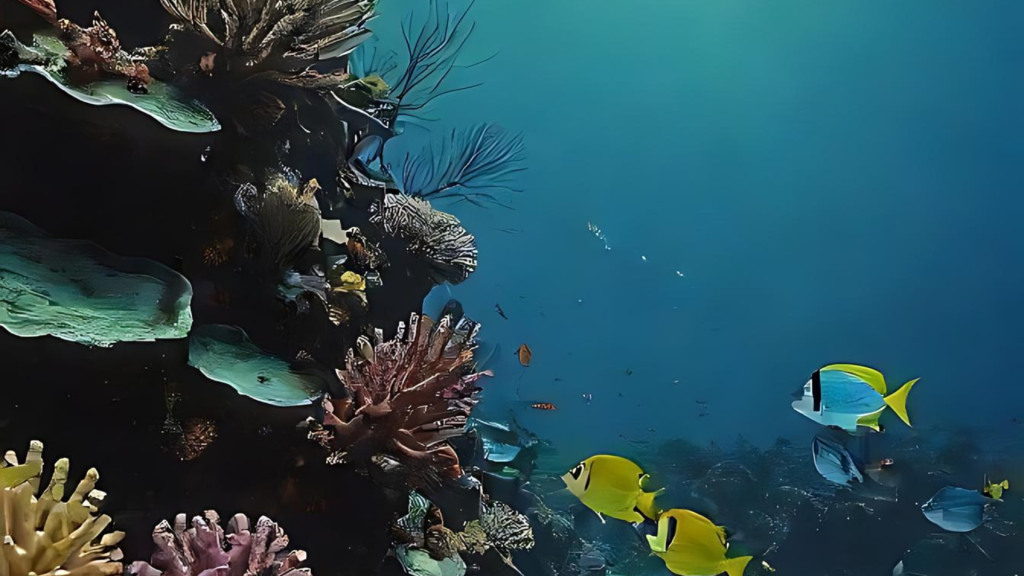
[(255, 30), (204, 550), (472, 165), (47, 536), (408, 396), (433, 235)]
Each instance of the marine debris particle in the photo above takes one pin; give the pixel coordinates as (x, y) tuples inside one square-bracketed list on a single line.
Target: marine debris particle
[(435, 236), (405, 404), (46, 535), (75, 290), (202, 547), (226, 354), (599, 234)]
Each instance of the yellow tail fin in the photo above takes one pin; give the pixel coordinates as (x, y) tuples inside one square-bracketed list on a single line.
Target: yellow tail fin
[(1005, 484), (645, 504), (898, 401), (736, 566)]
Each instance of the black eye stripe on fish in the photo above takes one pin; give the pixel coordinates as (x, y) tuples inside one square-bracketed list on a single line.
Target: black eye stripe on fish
[(816, 389), (589, 478), (671, 531)]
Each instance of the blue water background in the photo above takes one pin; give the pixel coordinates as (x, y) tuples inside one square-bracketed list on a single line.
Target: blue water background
[(837, 181)]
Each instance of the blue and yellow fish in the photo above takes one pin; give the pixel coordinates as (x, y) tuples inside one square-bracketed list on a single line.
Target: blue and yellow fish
[(847, 395)]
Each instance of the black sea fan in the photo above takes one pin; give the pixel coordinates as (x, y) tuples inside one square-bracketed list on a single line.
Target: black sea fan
[(473, 165), (284, 217), (433, 235)]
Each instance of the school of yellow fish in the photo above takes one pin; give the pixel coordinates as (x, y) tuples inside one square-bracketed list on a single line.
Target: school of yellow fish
[(688, 543)]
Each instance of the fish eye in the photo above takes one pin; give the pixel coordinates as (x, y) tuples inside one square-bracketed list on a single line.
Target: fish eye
[(577, 471)]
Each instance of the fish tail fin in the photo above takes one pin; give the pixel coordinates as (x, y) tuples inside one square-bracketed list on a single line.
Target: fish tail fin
[(1005, 484), (736, 566), (646, 506), (898, 401)]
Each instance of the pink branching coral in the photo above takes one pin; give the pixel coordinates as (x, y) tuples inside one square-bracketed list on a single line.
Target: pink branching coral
[(205, 550), (407, 398)]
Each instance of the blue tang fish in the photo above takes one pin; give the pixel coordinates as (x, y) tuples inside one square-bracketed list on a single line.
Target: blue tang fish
[(847, 395), (956, 509)]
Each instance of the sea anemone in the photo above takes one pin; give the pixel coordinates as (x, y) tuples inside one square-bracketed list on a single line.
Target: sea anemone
[(204, 549), (406, 398), (431, 234), (47, 536)]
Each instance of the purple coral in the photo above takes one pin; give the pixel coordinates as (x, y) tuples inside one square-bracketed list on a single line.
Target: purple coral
[(205, 550)]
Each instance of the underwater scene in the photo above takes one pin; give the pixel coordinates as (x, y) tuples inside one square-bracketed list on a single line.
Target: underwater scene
[(511, 288)]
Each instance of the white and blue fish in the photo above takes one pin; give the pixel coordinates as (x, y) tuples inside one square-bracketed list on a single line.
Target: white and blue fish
[(956, 509), (847, 396)]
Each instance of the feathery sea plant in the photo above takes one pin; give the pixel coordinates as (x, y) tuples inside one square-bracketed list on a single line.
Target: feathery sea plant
[(474, 165)]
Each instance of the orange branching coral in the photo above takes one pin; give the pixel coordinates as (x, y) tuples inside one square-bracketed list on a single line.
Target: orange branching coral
[(407, 398)]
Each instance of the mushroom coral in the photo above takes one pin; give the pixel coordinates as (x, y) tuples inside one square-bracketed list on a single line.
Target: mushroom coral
[(46, 535), (407, 398), (204, 549), (431, 234)]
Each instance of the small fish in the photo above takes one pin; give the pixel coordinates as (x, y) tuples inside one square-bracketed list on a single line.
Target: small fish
[(994, 490), (497, 308), (629, 372), (525, 355), (847, 395), (692, 545), (956, 509), (557, 379), (543, 406), (612, 486)]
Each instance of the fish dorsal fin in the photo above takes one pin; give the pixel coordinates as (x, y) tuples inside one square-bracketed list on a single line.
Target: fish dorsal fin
[(873, 377)]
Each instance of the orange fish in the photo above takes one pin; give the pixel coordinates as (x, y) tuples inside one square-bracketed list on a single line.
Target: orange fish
[(544, 406), (525, 355)]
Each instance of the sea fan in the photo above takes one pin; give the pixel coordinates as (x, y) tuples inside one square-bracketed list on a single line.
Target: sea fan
[(433, 235), (47, 536), (407, 398)]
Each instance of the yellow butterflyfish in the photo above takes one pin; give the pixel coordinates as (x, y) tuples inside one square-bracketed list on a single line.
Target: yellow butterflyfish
[(995, 490), (692, 545), (612, 486)]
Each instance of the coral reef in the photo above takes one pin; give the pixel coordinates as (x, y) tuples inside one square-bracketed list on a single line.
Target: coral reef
[(204, 549), (284, 217), (47, 536), (433, 235), (77, 291), (407, 398)]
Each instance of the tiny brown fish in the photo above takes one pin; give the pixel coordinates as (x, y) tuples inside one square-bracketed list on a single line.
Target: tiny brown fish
[(543, 406), (525, 355)]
